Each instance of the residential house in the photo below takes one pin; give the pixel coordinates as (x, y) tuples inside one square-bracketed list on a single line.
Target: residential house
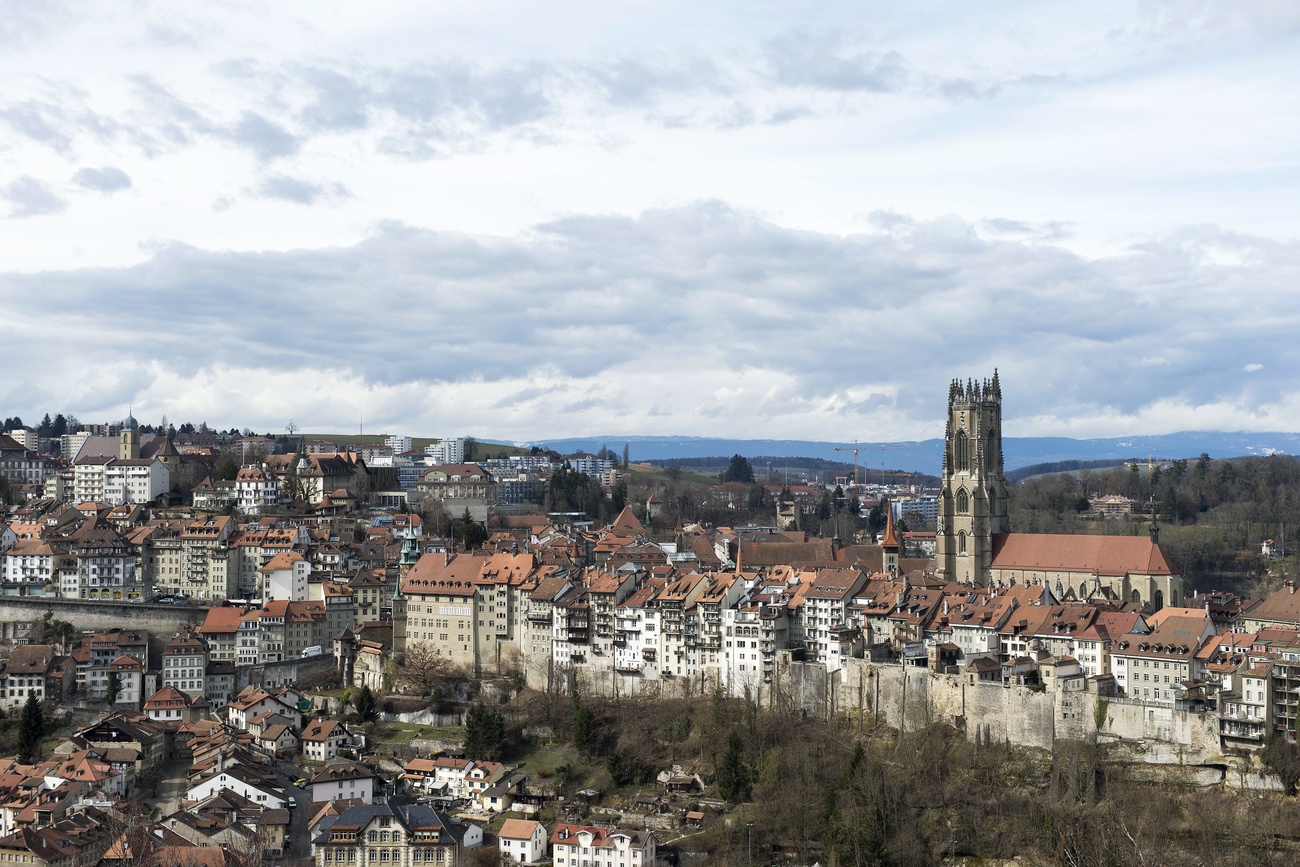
[(322, 739), (341, 779), (393, 832), (587, 845), (522, 840)]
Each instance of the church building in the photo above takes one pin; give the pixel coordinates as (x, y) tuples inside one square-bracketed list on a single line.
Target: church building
[(974, 543)]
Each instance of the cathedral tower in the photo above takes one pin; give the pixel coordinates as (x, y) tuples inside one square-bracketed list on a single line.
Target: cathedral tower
[(973, 496)]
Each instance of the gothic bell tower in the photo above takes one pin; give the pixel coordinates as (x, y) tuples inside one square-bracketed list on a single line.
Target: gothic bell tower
[(973, 496)]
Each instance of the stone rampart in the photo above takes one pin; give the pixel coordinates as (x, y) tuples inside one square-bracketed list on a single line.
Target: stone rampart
[(911, 698), (99, 616)]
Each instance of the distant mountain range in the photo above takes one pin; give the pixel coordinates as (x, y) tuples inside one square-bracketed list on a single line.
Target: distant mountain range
[(924, 456)]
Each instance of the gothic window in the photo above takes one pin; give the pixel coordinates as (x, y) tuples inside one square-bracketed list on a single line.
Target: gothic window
[(963, 502), (961, 542), (962, 449), (1137, 597), (1160, 600)]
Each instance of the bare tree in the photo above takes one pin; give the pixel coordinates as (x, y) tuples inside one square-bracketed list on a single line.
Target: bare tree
[(425, 670)]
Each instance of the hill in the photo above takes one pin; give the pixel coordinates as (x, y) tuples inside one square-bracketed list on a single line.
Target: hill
[(925, 455)]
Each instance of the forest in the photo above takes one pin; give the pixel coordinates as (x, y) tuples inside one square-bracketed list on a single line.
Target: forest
[(1213, 514), (784, 788)]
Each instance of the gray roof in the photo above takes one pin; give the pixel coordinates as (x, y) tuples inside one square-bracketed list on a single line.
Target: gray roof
[(409, 816)]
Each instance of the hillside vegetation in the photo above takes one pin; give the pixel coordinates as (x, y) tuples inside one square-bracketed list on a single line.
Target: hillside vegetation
[(1213, 514), (844, 792)]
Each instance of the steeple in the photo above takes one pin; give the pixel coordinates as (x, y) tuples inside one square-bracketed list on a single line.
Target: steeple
[(889, 544), (973, 496), (128, 441)]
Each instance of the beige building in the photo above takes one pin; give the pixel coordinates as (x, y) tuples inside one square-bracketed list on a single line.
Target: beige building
[(441, 606)]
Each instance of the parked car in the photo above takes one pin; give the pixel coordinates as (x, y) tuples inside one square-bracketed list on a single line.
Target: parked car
[(293, 802)]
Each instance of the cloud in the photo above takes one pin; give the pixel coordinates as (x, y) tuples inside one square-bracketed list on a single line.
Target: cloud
[(106, 179), (639, 81), (31, 198), (1253, 367), (799, 58), (300, 191), (58, 119), (265, 138), (704, 319)]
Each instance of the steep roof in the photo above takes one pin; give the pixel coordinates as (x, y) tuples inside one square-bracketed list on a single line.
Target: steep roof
[(451, 574), (627, 523), (1093, 555), (1283, 606), (890, 540), (518, 829)]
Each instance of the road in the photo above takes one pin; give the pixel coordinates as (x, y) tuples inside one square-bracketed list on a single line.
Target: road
[(171, 791), (299, 845)]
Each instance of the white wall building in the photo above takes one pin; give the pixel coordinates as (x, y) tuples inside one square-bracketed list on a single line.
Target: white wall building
[(257, 489), (135, 481), (398, 443), (448, 450)]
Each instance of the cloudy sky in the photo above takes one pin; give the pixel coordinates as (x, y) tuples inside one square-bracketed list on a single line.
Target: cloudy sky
[(530, 220)]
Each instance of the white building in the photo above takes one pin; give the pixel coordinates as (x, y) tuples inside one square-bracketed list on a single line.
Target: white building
[(88, 480), (522, 840), (257, 489), (586, 846), (448, 450), (116, 480), (29, 564), (399, 444), (135, 481), (285, 577)]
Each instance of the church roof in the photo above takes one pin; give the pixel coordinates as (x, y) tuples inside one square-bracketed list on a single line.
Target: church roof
[(1100, 555), (890, 540)]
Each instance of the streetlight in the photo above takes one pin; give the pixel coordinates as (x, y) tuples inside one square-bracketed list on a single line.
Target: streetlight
[(749, 843)]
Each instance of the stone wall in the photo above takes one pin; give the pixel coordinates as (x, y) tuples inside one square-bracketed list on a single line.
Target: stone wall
[(911, 699), (99, 616)]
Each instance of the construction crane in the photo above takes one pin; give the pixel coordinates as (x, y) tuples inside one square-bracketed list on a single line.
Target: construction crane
[(856, 447)]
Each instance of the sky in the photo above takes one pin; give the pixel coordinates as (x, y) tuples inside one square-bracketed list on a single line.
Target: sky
[(522, 221)]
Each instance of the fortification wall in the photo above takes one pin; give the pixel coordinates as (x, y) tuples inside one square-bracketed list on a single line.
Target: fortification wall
[(911, 698), (160, 619)]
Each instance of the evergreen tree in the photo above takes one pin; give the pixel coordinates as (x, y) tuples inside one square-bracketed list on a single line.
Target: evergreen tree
[(485, 733), (586, 737), (472, 534), (733, 776), (365, 705), (739, 470), (111, 697), (31, 730)]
